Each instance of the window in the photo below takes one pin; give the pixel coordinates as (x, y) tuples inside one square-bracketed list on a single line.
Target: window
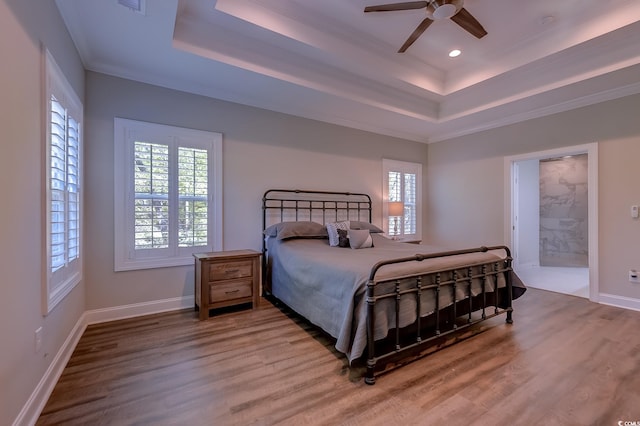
[(168, 194), (63, 187), (402, 184)]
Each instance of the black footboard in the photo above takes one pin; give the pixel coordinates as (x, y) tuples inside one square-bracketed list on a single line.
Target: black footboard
[(487, 290)]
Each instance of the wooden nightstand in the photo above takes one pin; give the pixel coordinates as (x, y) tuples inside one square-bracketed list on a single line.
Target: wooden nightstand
[(226, 278), (411, 241)]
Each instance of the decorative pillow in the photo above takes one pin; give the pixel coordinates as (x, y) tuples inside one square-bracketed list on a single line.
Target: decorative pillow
[(343, 238), (285, 230), (355, 224), (360, 238), (332, 230)]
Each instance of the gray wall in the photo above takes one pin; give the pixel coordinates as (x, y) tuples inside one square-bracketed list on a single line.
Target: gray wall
[(27, 26), (261, 150), (466, 182)]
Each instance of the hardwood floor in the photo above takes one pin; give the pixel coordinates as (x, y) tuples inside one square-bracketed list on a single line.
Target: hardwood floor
[(565, 361)]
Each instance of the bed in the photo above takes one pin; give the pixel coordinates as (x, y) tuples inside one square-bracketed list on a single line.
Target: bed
[(386, 302)]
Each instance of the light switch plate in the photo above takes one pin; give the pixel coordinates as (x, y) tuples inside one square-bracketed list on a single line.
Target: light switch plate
[(38, 339)]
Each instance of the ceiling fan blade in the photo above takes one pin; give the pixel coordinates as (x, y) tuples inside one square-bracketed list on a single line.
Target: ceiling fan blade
[(469, 23), (409, 5), (416, 33)]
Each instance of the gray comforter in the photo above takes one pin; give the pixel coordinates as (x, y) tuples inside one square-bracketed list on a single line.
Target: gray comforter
[(327, 285)]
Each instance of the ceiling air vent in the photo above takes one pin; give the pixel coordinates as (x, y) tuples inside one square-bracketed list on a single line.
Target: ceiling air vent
[(135, 5)]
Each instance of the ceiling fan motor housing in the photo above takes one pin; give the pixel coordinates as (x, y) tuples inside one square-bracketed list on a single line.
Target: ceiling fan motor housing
[(443, 9)]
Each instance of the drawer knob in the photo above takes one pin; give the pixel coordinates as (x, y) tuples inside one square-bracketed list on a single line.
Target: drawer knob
[(232, 291)]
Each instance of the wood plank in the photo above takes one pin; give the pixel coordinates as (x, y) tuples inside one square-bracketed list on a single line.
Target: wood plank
[(564, 361)]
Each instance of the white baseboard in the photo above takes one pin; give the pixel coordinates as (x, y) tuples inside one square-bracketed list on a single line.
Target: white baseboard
[(34, 406), (96, 316), (528, 265), (619, 301)]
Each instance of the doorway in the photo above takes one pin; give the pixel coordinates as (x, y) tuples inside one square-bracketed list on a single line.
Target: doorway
[(553, 231)]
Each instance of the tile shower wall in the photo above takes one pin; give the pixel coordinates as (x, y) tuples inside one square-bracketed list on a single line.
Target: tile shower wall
[(564, 212)]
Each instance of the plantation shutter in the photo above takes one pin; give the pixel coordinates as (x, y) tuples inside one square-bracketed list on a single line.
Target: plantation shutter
[(64, 193), (401, 183), (151, 188), (409, 203), (192, 197), (58, 179), (63, 188), (73, 188), (402, 187)]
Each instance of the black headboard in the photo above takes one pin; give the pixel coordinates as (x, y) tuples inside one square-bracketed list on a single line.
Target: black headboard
[(286, 205)]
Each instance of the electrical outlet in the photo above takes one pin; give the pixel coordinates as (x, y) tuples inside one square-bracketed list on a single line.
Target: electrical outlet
[(634, 276), (38, 339)]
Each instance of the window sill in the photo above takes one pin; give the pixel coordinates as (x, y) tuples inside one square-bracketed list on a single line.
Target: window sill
[(132, 265)]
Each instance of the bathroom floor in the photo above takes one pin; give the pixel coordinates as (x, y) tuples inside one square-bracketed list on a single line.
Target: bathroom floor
[(572, 281)]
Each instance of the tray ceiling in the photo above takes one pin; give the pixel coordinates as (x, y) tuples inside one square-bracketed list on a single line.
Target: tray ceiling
[(328, 60)]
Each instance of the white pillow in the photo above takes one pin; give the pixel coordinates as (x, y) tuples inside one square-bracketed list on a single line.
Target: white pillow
[(360, 238), (332, 230)]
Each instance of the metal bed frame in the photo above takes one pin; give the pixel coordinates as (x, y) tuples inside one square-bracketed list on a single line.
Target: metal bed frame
[(316, 206), (427, 333)]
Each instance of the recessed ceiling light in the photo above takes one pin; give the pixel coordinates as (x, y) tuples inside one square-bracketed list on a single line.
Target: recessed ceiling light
[(454, 53)]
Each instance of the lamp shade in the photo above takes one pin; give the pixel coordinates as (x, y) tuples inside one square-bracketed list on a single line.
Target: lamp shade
[(396, 208)]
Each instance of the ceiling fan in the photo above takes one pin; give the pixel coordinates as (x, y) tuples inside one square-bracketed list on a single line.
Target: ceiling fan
[(436, 9)]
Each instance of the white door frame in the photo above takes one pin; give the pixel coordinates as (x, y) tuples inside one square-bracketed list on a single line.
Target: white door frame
[(515, 201), (511, 197)]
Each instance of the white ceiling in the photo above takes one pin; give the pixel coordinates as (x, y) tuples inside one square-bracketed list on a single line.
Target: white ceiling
[(328, 60)]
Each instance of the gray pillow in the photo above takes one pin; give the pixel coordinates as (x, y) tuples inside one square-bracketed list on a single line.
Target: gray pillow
[(360, 238), (303, 229), (355, 224)]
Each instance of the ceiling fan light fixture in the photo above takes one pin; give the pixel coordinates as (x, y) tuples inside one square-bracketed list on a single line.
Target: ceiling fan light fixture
[(445, 11)]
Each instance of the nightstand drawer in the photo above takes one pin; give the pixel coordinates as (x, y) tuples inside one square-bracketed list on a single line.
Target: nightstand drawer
[(229, 290), (230, 270)]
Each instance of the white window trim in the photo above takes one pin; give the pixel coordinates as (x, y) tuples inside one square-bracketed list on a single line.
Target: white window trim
[(404, 167), (124, 130), (55, 289)]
